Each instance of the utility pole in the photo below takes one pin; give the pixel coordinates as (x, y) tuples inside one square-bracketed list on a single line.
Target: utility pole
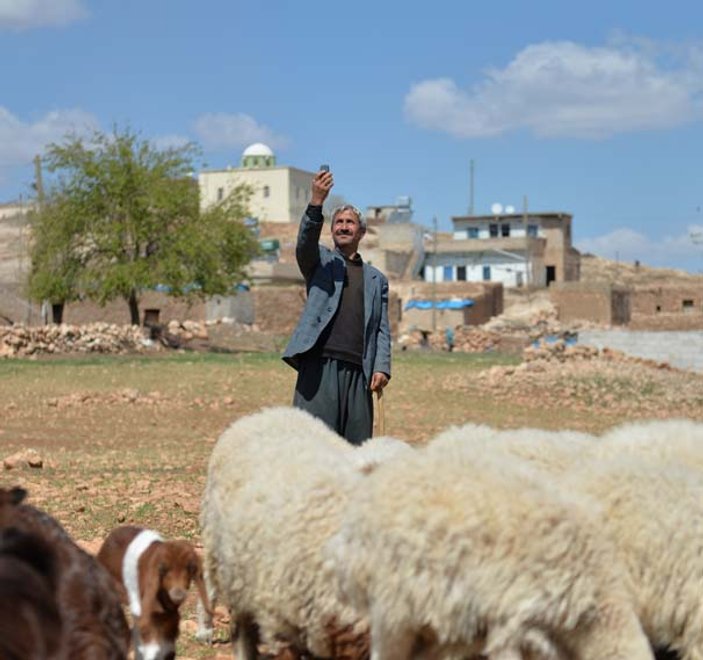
[(434, 274), (528, 253), (39, 187), (471, 187), (38, 183)]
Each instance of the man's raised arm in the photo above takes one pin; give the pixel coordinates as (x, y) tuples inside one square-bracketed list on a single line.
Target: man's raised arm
[(307, 251)]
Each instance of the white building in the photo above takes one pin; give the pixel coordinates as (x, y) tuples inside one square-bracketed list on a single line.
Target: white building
[(515, 249), (280, 193)]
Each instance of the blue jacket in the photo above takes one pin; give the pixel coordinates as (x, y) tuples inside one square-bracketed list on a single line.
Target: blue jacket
[(324, 270)]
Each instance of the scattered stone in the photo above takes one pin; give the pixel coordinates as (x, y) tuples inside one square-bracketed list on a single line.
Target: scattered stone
[(25, 458)]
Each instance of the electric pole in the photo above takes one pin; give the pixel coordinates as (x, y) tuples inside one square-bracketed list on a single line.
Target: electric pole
[(38, 183), (471, 187), (434, 274)]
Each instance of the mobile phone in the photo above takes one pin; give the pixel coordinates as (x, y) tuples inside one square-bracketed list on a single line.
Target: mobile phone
[(324, 168)]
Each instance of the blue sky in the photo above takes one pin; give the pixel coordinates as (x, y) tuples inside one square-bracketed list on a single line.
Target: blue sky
[(591, 108)]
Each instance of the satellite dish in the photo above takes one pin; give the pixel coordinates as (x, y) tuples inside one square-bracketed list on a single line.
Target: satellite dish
[(496, 209), (510, 209)]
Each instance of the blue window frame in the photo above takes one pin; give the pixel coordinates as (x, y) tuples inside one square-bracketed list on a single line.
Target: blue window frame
[(472, 232), (448, 274), (486, 273), (532, 230)]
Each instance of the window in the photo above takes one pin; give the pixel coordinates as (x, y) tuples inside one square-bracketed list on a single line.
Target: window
[(461, 273), (493, 231), (472, 232), (505, 229), (267, 191), (220, 194), (687, 306), (532, 230), (486, 273), (447, 274)]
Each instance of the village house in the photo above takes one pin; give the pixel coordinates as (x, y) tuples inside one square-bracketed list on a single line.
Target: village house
[(515, 249)]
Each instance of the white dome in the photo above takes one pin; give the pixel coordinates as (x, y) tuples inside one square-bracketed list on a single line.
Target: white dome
[(257, 149)]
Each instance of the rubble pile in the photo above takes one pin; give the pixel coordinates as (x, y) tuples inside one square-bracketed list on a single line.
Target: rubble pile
[(600, 381), (467, 339), (24, 341), (561, 351), (541, 324)]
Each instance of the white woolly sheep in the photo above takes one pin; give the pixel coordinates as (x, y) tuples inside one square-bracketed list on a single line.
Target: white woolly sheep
[(665, 441), (453, 551), (654, 514), (278, 483), (551, 451)]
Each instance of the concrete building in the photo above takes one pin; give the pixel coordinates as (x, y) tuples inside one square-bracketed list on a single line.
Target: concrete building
[(400, 212), (279, 193), (515, 249)]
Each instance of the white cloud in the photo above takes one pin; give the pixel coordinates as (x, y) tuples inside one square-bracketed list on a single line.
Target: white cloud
[(674, 251), (219, 131), (563, 89), (25, 14), (21, 141)]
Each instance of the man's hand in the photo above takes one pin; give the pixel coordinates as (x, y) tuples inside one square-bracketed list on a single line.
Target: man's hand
[(378, 381), (321, 186)]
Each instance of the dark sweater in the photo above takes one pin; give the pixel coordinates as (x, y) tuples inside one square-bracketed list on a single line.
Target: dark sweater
[(343, 338)]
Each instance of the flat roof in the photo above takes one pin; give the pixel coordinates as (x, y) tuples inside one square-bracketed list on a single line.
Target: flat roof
[(512, 216)]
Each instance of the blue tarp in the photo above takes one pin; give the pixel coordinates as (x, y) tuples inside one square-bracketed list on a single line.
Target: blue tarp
[(453, 303)]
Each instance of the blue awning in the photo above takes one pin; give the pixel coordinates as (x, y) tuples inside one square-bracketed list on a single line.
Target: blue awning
[(451, 303)]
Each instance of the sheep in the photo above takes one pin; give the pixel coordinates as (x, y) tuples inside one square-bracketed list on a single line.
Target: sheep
[(551, 451), (653, 512), (665, 441), (93, 623), (647, 477), (452, 551), (278, 482)]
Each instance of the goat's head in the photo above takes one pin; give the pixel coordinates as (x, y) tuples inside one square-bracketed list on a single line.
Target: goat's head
[(177, 566)]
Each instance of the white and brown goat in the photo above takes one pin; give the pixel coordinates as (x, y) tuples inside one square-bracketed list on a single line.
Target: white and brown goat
[(155, 576)]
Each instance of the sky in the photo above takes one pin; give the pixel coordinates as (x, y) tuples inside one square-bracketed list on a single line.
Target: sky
[(594, 109)]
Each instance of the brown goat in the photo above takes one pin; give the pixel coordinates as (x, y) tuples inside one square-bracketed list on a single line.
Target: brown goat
[(92, 625), (154, 577)]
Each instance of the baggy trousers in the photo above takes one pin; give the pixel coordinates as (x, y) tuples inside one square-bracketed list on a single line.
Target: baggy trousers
[(335, 392)]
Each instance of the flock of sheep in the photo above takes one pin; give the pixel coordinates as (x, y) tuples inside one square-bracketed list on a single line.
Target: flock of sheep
[(504, 545)]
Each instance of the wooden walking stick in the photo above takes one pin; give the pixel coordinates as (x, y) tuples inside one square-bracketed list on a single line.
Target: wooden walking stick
[(379, 414)]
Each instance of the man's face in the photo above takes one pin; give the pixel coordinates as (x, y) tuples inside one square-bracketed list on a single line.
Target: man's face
[(346, 231)]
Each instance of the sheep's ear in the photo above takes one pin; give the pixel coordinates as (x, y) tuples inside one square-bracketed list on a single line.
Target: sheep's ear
[(200, 585)]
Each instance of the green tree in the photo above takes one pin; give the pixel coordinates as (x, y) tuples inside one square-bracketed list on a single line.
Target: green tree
[(127, 214), (57, 255)]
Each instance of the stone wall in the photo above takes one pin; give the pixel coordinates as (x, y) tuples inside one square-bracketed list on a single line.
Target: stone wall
[(603, 304), (679, 299)]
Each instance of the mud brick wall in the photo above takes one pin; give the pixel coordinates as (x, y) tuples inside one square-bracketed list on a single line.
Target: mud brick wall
[(601, 303)]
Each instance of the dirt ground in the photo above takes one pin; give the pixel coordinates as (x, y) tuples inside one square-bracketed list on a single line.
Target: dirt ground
[(127, 439)]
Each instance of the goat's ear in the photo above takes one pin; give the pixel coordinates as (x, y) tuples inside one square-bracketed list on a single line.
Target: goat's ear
[(12, 496), (150, 588)]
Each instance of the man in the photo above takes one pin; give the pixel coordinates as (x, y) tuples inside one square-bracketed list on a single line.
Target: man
[(342, 344)]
